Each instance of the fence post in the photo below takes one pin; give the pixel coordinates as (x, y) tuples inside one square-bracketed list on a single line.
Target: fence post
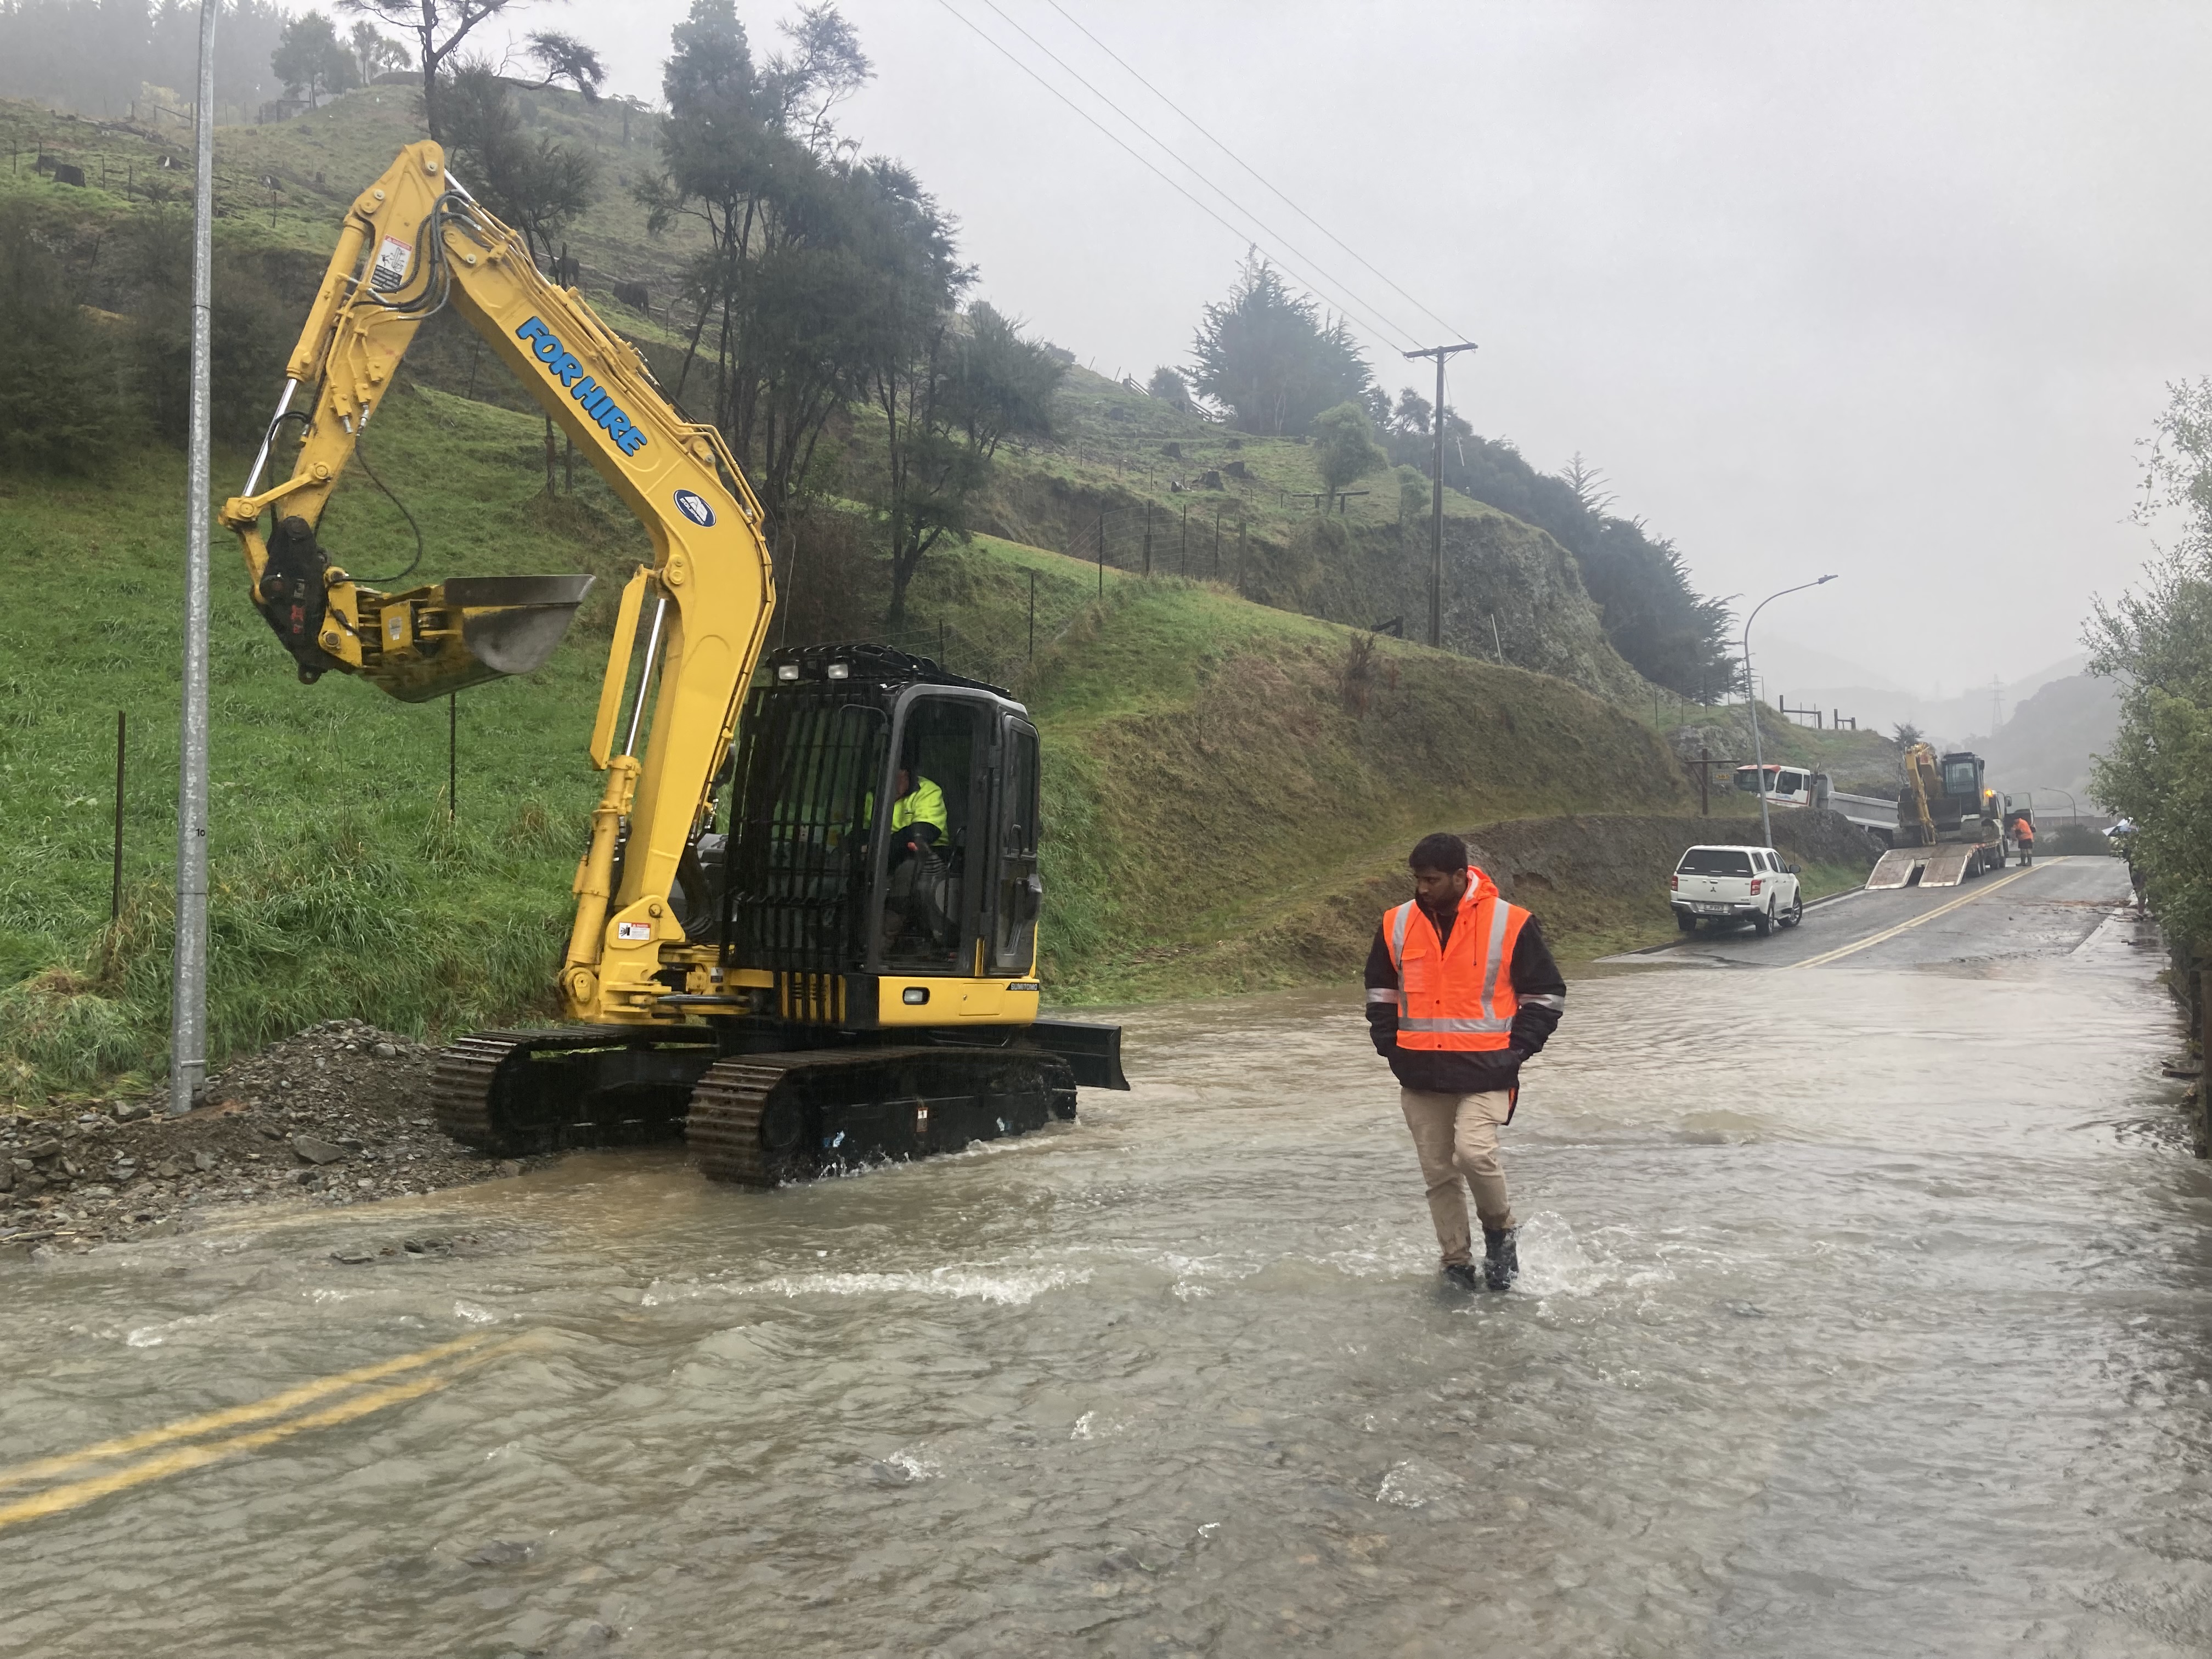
[(1032, 655), (1102, 551), (453, 754), (1185, 541), (1218, 512), (115, 904), (1148, 539)]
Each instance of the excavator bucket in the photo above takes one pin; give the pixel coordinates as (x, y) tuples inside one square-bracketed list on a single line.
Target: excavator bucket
[(512, 623), (429, 642)]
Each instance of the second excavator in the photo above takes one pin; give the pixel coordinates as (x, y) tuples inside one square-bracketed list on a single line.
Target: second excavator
[(805, 930)]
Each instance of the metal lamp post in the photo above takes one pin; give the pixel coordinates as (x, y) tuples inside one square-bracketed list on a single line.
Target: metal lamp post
[(1751, 706), (188, 985), (2072, 812)]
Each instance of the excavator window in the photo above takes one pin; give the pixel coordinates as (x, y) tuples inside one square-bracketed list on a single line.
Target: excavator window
[(797, 857), (927, 891)]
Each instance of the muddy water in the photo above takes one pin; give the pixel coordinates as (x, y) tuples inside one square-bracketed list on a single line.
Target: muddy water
[(1863, 1314)]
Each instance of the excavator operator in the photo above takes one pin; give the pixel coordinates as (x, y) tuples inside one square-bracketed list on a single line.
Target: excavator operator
[(917, 875)]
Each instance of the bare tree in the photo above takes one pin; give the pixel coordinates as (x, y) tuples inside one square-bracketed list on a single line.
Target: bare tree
[(438, 28)]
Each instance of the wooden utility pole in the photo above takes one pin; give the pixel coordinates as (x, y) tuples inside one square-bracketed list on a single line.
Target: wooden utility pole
[(1437, 497)]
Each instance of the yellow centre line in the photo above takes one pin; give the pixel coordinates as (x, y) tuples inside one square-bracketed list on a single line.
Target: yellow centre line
[(277, 1404), (55, 1499), (1873, 940)]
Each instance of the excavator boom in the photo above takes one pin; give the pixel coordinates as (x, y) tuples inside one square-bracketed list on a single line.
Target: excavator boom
[(414, 243)]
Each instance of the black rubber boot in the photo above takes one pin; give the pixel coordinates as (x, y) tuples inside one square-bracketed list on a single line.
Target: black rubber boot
[(1461, 1274), (1501, 1262)]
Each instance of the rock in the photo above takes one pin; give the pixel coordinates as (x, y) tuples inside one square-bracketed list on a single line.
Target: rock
[(167, 1170), (42, 1149), (132, 1111), (316, 1149), (384, 1051), (204, 1160), (352, 1258), (510, 1166), (7, 1177)]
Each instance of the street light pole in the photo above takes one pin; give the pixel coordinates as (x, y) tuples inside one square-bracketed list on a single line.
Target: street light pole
[(1751, 707), (2072, 812), (188, 977)]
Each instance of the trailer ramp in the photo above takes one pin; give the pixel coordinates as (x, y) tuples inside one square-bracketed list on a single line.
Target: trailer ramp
[(1897, 867), (1949, 866)]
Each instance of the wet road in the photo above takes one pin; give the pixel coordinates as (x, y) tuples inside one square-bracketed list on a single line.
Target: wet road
[(1865, 1313)]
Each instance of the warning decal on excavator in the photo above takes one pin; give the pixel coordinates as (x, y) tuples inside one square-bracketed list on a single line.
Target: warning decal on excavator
[(391, 270), (633, 930)]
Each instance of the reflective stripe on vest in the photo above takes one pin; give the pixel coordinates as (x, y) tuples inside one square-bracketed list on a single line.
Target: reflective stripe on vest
[(1447, 1012)]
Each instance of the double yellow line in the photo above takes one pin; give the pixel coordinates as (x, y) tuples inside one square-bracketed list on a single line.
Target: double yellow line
[(1873, 940), (275, 1412)]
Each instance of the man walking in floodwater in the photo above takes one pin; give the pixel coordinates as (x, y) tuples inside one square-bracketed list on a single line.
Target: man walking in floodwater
[(1461, 989)]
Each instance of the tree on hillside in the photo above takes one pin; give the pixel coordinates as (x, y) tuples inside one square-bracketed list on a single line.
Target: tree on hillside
[(802, 241), (1413, 413), (539, 188), (1654, 615), (1268, 355), (2157, 644), (1169, 385), (564, 57), (439, 29), (310, 58), (374, 54), (1344, 446), (99, 58), (950, 387), (1906, 734)]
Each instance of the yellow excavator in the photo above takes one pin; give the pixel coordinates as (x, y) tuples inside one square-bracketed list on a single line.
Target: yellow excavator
[(1950, 824), (761, 959)]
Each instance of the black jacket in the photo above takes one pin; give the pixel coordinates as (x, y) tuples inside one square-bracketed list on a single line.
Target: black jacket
[(1541, 995)]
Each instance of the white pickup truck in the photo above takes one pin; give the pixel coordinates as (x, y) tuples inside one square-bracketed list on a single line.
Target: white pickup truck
[(1725, 885)]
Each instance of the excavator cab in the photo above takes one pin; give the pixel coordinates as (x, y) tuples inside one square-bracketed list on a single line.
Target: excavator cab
[(814, 877)]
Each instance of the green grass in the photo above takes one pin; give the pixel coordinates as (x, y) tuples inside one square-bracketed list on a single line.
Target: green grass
[(1209, 768)]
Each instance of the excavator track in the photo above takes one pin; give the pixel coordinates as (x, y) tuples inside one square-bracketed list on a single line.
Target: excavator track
[(764, 1120), (514, 1093)]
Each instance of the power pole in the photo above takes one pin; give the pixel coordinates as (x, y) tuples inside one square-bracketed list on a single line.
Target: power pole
[(1437, 498), (188, 979)]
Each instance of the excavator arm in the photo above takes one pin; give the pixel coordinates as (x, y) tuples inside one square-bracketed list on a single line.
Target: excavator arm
[(414, 243)]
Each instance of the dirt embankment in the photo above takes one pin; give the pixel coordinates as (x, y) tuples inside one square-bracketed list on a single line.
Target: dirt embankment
[(336, 1114)]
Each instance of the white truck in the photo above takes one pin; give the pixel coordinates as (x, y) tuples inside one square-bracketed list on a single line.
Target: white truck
[(1726, 886), (1798, 786)]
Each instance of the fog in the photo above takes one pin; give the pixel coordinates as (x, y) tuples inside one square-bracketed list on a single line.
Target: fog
[(1887, 290)]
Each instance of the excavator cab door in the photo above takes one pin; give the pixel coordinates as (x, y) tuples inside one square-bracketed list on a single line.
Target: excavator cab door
[(1016, 891)]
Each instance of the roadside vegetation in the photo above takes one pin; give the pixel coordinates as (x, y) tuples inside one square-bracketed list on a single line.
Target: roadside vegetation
[(2156, 643)]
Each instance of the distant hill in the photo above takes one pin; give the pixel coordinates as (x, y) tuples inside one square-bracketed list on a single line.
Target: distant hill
[(2053, 735)]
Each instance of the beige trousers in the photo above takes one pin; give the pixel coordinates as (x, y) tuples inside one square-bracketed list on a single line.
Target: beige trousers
[(1455, 1137)]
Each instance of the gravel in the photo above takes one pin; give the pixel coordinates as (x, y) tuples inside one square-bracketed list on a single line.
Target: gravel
[(337, 1115)]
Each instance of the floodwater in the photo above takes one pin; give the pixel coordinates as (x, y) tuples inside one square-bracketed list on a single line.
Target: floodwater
[(1864, 1312)]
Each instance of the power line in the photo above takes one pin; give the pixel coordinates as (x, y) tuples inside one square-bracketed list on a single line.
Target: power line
[(1246, 166), (1147, 162), (1342, 287)]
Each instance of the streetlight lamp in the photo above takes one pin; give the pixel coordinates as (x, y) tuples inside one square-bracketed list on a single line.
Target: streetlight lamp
[(2072, 812), (1751, 706)]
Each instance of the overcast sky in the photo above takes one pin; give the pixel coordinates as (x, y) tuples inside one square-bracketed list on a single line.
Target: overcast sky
[(1886, 291)]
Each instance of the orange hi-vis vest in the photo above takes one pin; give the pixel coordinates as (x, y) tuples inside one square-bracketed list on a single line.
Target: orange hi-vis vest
[(1456, 996)]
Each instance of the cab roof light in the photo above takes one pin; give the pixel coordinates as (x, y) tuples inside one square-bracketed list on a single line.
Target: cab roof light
[(787, 671), (840, 671)]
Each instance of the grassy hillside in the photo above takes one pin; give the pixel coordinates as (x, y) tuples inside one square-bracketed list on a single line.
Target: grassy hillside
[(1208, 760)]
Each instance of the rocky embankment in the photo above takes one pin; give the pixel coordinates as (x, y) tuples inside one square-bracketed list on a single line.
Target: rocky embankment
[(336, 1114)]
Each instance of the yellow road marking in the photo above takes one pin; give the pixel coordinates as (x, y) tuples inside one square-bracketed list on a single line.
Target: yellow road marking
[(277, 1404), (1906, 927), (55, 1499)]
